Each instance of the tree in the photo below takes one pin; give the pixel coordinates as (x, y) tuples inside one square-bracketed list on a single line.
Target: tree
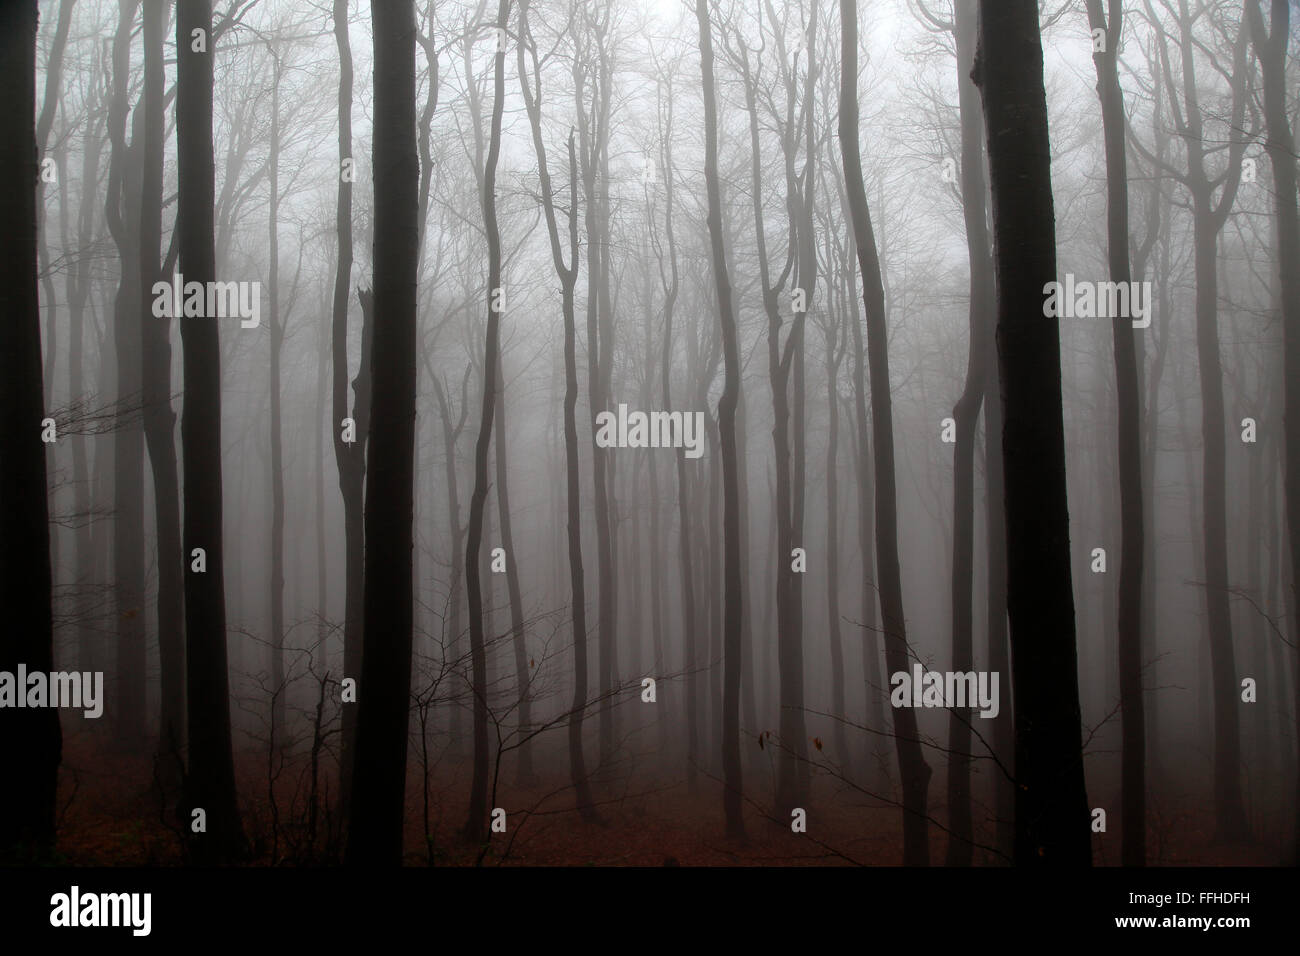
[(1051, 804), (128, 441), (912, 767), (1208, 219), (31, 743), (276, 323), (568, 276), (476, 823), (159, 418), (379, 784), (792, 779), (350, 456), (732, 774), (966, 416), (1270, 48), (211, 776), (1133, 765)]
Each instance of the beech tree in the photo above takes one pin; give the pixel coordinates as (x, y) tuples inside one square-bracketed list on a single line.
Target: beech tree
[(1051, 805), (379, 784), (32, 741)]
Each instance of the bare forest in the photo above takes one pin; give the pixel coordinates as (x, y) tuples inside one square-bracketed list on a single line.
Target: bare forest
[(643, 432)]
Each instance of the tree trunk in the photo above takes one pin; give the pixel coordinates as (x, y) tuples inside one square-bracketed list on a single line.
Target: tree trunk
[(1133, 760), (731, 769), (159, 418), (568, 276), (1280, 146), (913, 769), (522, 678), (476, 824), (211, 777), (379, 784), (350, 456), (128, 444), (31, 742), (1051, 803), (966, 416), (278, 688)]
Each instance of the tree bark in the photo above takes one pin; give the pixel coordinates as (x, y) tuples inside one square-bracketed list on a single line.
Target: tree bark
[(349, 456), (211, 780), (731, 769), (1280, 146), (1051, 803), (476, 823), (31, 741), (966, 417), (379, 784), (159, 418), (912, 767), (1133, 760)]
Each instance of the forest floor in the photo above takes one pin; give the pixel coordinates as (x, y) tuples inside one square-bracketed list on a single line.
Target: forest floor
[(111, 815)]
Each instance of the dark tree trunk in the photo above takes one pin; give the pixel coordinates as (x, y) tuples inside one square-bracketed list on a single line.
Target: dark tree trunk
[(78, 291), (834, 356), (159, 418), (671, 284), (278, 688), (476, 823), (450, 434), (1208, 219), (966, 416), (379, 784), (349, 456), (1271, 49), (31, 742), (1051, 803), (211, 780), (522, 679), (791, 762), (732, 800), (913, 769), (128, 444), (1133, 761), (593, 133)]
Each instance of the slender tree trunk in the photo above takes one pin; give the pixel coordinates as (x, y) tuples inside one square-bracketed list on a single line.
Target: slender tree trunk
[(159, 418), (732, 783), (278, 687), (1051, 803), (522, 678), (913, 769), (128, 444), (1133, 760), (350, 455), (211, 777), (78, 286), (476, 824), (834, 354), (379, 785), (966, 416)]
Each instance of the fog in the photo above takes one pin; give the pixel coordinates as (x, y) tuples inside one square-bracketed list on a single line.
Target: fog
[(701, 664)]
